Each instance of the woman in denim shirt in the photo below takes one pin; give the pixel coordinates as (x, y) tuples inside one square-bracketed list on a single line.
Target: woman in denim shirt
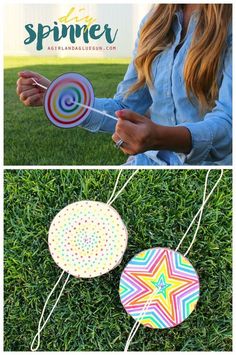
[(189, 101)]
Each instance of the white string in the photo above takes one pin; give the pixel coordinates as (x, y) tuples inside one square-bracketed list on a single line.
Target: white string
[(95, 110), (36, 83), (80, 104), (112, 199), (200, 212), (40, 328), (138, 321), (114, 189)]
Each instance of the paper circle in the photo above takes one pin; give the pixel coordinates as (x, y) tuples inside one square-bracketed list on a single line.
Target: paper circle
[(173, 278), (62, 98), (87, 238)]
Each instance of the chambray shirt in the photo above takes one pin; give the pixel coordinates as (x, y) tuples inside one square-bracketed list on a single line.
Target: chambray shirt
[(169, 105)]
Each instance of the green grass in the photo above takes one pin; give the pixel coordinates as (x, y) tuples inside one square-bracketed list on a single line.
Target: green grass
[(156, 206), (30, 138)]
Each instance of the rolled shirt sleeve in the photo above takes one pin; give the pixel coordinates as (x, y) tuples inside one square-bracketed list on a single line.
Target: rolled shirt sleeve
[(212, 137), (139, 101)]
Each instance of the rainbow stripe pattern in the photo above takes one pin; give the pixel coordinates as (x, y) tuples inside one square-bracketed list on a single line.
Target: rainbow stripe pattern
[(62, 99), (167, 280)]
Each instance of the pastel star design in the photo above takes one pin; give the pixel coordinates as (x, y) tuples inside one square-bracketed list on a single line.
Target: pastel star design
[(162, 285), (168, 279)]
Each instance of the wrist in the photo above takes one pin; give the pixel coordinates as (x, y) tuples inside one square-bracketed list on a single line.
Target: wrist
[(177, 139)]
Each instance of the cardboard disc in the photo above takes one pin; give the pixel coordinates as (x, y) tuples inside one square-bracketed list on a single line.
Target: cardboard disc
[(169, 276), (63, 98), (87, 238)]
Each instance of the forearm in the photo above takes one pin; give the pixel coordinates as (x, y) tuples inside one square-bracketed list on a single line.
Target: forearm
[(177, 139)]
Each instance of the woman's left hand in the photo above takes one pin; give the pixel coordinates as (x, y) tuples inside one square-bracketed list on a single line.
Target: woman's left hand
[(138, 132)]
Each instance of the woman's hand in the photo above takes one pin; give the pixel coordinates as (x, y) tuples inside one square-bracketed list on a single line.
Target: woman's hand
[(29, 94), (140, 134)]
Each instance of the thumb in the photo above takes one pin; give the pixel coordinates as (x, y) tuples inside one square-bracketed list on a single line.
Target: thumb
[(130, 116)]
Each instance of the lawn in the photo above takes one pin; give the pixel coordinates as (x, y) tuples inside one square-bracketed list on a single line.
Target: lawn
[(157, 207), (30, 138)]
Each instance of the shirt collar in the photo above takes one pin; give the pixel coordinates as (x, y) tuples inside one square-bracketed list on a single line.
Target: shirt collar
[(192, 22)]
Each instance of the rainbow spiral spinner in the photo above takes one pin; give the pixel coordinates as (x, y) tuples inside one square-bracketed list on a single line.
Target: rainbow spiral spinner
[(62, 98)]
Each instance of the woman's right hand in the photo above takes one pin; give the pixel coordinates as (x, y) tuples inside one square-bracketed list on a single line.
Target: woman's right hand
[(30, 94)]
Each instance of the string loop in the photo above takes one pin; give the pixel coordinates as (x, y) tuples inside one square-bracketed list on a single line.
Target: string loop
[(40, 328), (199, 213), (112, 198)]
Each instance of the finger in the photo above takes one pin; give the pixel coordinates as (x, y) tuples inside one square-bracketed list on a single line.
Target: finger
[(130, 116), (28, 74), (32, 100), (27, 93), (124, 147), (115, 137), (23, 81), (125, 130), (20, 89)]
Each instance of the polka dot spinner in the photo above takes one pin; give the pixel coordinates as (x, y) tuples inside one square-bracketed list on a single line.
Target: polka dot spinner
[(87, 238)]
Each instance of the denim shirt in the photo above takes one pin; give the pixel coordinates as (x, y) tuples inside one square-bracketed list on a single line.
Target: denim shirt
[(169, 105)]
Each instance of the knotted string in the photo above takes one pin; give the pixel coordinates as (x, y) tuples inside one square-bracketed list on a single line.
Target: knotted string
[(41, 327), (199, 213), (79, 103)]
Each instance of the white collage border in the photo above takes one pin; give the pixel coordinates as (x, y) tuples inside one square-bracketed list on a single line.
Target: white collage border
[(2, 168)]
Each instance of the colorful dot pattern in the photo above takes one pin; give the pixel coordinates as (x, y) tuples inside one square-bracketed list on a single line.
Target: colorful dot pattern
[(87, 238)]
